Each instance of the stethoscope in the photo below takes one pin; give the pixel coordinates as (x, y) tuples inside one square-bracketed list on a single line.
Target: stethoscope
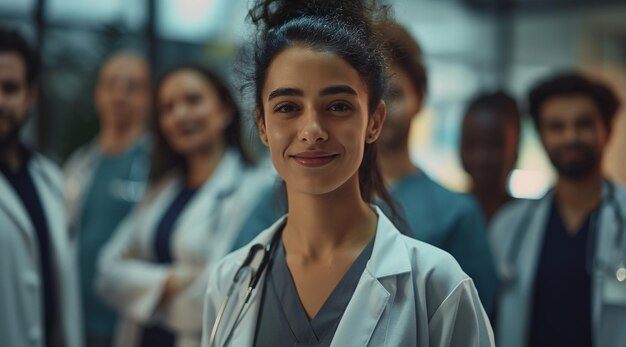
[(268, 254), (618, 267)]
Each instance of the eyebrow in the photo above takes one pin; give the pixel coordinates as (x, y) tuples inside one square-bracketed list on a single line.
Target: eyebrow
[(285, 92), (332, 90)]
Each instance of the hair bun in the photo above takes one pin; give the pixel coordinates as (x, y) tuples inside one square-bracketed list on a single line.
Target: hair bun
[(269, 14)]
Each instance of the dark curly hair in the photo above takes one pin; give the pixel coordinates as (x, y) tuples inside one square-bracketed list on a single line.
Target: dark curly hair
[(11, 41), (574, 83), (344, 28)]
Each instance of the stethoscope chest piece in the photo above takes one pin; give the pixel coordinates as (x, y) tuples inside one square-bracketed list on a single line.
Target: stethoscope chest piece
[(620, 274)]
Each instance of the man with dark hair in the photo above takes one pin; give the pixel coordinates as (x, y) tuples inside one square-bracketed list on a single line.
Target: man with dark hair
[(490, 137), (562, 257), (448, 220), (105, 178), (39, 303)]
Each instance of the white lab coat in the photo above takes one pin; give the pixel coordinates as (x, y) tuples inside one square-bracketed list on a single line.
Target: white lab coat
[(410, 294), (130, 280), (21, 284), (608, 301)]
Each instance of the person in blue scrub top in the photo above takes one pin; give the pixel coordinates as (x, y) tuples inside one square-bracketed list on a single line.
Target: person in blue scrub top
[(202, 184), (105, 178), (448, 220), (335, 270)]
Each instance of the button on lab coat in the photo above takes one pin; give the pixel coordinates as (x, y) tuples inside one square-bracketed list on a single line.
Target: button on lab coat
[(410, 294), (131, 281), (21, 307), (608, 296)]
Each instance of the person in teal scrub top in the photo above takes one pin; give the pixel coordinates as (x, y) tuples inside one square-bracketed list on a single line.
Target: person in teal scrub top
[(448, 220)]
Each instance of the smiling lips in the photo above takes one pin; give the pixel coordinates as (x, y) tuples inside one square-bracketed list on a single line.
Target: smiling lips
[(314, 158)]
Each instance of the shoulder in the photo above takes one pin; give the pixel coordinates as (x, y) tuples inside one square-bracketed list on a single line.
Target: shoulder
[(224, 271), (456, 202), (437, 274), (47, 167), (80, 156), (433, 269), (433, 264), (511, 211), (620, 193)]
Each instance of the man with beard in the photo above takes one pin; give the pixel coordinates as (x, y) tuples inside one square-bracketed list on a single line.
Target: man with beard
[(562, 257), (433, 214), (38, 291)]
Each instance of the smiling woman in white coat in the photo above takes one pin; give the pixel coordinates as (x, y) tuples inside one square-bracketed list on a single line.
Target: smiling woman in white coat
[(334, 271), (202, 187)]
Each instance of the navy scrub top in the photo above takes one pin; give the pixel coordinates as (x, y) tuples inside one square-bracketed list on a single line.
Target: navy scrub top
[(561, 312), (154, 335), (282, 319)]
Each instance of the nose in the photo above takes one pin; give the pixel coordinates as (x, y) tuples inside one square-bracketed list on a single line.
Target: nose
[(570, 133), (312, 130)]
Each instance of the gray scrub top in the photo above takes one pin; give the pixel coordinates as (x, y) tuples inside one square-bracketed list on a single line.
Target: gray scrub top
[(282, 319)]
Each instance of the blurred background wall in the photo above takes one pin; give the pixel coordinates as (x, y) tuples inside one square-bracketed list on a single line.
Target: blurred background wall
[(470, 46)]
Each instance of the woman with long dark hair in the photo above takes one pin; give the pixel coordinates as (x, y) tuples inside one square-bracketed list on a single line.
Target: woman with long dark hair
[(202, 185), (334, 271)]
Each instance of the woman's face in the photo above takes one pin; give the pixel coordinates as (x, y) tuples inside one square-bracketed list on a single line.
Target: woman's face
[(316, 120), (191, 115)]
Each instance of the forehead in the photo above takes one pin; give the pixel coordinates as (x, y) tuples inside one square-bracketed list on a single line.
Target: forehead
[(568, 107), (310, 70), (183, 80), (12, 67), (125, 66)]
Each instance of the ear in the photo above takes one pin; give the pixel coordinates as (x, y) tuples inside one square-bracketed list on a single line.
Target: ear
[(260, 126), (375, 123)]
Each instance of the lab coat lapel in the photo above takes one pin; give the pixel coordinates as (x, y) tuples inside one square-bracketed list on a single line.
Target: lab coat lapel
[(243, 335), (206, 209), (14, 209), (528, 256), (371, 297)]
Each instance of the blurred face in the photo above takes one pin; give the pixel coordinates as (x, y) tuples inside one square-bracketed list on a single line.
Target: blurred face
[(573, 134), (489, 146), (316, 120), (15, 96), (123, 92), (403, 103), (191, 115)]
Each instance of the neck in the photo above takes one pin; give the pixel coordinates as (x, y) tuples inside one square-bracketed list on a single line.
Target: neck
[(319, 225), (202, 164), (116, 140), (395, 164), (10, 155), (582, 195), (491, 198)]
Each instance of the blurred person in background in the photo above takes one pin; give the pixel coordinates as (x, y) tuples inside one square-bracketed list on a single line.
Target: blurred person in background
[(448, 220), (105, 178), (202, 186), (490, 137), (562, 258), (39, 298)]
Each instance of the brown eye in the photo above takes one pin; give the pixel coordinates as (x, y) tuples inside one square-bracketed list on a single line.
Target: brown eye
[(285, 108), (340, 107)]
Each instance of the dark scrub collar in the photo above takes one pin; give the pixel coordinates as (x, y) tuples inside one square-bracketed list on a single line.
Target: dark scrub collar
[(283, 318)]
